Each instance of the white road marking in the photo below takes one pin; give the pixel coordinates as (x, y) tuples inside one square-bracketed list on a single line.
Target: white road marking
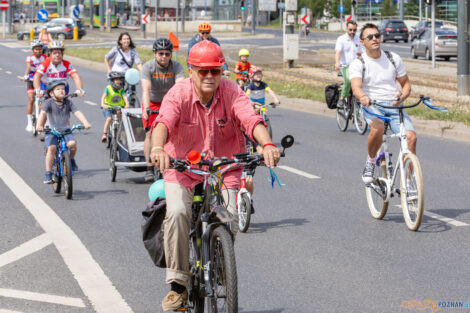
[(441, 218), (90, 102), (9, 311), (20, 77), (25, 50), (1, 68), (8, 72), (298, 172), (41, 297), (94, 283), (25, 249)]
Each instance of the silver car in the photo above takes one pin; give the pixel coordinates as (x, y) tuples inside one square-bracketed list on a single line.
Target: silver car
[(445, 43)]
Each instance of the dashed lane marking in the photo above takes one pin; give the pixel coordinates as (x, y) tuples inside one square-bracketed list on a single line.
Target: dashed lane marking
[(25, 50), (9, 311), (8, 72), (25, 249), (298, 172), (94, 283), (441, 218), (90, 102), (41, 297)]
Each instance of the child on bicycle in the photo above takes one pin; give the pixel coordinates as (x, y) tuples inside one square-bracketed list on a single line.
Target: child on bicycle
[(256, 90), (114, 98), (32, 63), (242, 68), (57, 110)]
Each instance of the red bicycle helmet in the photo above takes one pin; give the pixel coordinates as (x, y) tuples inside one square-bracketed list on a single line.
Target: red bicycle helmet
[(206, 54)]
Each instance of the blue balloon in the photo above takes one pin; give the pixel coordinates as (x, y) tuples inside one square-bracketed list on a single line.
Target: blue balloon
[(157, 189), (132, 76)]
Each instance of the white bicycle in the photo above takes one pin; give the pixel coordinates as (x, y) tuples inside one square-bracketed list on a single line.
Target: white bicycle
[(411, 191)]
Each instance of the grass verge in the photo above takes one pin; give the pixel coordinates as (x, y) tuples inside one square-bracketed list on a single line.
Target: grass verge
[(285, 88)]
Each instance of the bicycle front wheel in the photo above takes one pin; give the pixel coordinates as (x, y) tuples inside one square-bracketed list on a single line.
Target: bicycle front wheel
[(113, 159), (56, 177), (412, 194), (244, 213), (67, 170), (359, 121), (224, 273), (377, 192), (342, 118)]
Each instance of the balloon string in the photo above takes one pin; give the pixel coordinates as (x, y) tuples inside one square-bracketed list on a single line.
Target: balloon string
[(273, 178)]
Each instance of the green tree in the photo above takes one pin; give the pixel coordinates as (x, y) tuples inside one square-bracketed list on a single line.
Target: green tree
[(412, 8), (317, 6), (388, 8)]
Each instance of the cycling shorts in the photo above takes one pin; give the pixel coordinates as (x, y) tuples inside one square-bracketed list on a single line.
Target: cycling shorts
[(108, 112), (30, 87), (390, 113), (155, 106), (51, 139)]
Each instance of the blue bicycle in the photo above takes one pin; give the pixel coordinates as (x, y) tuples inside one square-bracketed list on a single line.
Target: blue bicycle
[(62, 167)]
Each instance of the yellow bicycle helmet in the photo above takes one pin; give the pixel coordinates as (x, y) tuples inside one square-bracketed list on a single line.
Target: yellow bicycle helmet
[(243, 52)]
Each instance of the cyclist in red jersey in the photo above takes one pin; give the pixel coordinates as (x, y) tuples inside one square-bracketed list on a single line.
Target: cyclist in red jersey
[(32, 63)]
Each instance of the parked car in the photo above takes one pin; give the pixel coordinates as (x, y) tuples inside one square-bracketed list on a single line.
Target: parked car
[(445, 43), (421, 27), (59, 28), (393, 30)]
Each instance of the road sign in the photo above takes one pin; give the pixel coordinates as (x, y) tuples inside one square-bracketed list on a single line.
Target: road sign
[(76, 11), (281, 5), (248, 4), (4, 5), (43, 15), (145, 19), (267, 5), (305, 19), (341, 8)]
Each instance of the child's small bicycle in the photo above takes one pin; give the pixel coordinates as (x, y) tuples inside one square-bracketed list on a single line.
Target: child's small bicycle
[(62, 166)]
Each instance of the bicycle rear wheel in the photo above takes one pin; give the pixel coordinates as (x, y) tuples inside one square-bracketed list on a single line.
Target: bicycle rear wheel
[(224, 273), (67, 170), (412, 194), (342, 117), (113, 159), (377, 193), (359, 121), (197, 279), (244, 213)]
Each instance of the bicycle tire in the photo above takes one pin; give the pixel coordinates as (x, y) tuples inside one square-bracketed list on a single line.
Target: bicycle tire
[(67, 170), (33, 123), (359, 121), (413, 221), (377, 204), (224, 273), (57, 186), (342, 119), (244, 213), (35, 116), (113, 159)]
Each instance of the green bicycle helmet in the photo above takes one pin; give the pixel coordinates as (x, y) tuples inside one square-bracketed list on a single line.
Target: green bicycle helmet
[(243, 52), (157, 190)]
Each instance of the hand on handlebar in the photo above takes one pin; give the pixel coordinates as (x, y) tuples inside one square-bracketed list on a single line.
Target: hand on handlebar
[(80, 92), (145, 115), (365, 101), (160, 158), (271, 155), (87, 125), (39, 128), (398, 100)]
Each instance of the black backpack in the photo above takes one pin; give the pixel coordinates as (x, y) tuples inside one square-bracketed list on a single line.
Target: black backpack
[(152, 231), (332, 95)]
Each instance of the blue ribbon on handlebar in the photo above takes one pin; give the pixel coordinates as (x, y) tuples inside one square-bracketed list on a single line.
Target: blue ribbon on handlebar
[(429, 105), (383, 118), (273, 178)]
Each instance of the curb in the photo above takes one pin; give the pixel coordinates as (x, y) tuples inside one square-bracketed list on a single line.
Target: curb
[(443, 129)]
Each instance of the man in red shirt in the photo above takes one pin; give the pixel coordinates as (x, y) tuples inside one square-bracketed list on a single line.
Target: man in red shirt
[(204, 113)]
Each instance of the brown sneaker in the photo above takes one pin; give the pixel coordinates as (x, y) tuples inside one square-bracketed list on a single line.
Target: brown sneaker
[(174, 300)]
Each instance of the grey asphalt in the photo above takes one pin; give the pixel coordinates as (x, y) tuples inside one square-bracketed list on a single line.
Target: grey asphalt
[(312, 245)]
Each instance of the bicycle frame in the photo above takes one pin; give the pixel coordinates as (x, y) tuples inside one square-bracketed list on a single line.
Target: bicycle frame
[(242, 190), (61, 148)]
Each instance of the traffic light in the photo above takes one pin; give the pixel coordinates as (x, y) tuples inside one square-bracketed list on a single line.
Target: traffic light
[(353, 3), (428, 2), (242, 5)]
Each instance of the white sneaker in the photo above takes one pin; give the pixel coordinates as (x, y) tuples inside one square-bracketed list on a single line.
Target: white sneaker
[(29, 128), (368, 173)]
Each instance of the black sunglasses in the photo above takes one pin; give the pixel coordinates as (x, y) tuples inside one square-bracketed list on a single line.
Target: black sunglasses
[(376, 35), (205, 33), (167, 54), (352, 29), (205, 71)]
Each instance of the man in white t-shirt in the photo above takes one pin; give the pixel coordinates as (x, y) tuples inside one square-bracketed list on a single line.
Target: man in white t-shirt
[(374, 78), (348, 48)]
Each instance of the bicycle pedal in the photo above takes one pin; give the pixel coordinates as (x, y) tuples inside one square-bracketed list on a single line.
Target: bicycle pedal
[(398, 191)]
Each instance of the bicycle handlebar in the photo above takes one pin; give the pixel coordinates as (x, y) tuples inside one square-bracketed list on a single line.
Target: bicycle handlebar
[(66, 131), (422, 99)]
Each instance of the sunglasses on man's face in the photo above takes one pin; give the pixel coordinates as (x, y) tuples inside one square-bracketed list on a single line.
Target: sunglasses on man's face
[(352, 30), (377, 36), (205, 33), (205, 71), (167, 54)]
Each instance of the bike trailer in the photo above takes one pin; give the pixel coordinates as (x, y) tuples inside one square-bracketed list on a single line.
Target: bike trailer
[(130, 140)]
